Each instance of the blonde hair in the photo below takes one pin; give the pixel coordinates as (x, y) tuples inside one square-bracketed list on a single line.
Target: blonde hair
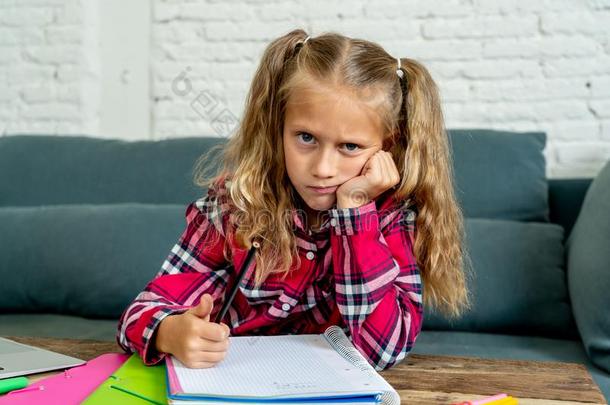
[(253, 157)]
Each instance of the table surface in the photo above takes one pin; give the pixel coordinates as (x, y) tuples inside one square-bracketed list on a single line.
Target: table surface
[(427, 379)]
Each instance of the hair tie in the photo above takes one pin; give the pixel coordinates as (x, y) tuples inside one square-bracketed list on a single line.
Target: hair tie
[(399, 71), (300, 44)]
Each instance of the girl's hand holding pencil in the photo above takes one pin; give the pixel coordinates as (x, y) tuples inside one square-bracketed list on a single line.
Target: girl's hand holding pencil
[(192, 338)]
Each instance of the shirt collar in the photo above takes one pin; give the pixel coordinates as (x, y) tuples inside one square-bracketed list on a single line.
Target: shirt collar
[(299, 219)]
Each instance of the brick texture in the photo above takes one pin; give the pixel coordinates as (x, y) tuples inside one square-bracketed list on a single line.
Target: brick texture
[(512, 64)]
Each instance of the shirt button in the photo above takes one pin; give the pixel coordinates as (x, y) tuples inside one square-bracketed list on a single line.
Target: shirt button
[(285, 306), (333, 222), (310, 255)]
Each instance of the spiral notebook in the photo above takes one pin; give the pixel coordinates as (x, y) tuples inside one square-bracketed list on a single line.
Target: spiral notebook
[(287, 369)]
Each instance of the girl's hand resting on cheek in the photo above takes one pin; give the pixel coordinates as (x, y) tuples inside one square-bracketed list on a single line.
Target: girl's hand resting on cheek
[(192, 338), (378, 175)]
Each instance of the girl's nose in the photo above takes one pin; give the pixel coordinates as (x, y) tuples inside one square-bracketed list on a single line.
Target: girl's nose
[(324, 165)]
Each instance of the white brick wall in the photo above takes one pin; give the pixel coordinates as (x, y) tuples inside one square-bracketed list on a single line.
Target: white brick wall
[(44, 49), (510, 64)]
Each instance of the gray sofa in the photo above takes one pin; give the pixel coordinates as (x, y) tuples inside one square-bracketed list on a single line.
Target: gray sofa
[(85, 223)]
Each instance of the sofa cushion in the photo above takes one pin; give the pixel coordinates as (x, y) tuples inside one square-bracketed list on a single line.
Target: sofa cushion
[(88, 260), (517, 280), (500, 174), (589, 269), (43, 170)]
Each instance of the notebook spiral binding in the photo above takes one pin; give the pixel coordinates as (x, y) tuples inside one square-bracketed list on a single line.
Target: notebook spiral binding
[(341, 343)]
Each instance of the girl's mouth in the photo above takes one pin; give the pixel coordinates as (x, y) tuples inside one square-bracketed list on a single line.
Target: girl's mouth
[(323, 190)]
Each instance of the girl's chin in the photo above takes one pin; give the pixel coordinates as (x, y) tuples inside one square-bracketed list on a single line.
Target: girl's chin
[(321, 204)]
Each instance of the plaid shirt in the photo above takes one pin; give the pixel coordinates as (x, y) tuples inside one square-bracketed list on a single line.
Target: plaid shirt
[(357, 271)]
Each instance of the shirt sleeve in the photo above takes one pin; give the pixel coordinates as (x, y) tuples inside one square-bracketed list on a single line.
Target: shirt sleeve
[(195, 266), (377, 280)]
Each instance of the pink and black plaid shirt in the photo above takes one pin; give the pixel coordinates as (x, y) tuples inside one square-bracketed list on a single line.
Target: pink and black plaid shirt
[(357, 271)]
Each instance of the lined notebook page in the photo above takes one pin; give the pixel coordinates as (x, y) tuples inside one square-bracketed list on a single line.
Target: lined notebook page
[(279, 366)]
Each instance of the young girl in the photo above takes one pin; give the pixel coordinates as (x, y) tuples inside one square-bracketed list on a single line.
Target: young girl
[(340, 173)]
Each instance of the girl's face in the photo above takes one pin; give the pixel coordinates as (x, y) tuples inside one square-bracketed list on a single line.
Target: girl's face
[(328, 136)]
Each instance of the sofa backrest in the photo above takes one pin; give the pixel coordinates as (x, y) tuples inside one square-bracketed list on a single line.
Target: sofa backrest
[(566, 197), (118, 207), (50, 170)]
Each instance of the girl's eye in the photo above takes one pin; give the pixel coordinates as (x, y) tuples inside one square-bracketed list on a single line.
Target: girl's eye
[(305, 137), (351, 147)]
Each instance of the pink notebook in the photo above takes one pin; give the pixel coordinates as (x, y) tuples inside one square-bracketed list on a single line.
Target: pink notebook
[(69, 387)]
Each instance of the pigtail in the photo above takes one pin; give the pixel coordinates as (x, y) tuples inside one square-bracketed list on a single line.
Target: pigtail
[(262, 113), (259, 189), (425, 161), (252, 154), (267, 81)]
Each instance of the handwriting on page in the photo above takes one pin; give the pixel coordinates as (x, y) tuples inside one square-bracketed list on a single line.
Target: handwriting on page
[(292, 385)]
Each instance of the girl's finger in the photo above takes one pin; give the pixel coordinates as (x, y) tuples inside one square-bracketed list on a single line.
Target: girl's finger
[(213, 345), (211, 357), (368, 164), (200, 364), (391, 164), (212, 331), (393, 170), (386, 168), (380, 165)]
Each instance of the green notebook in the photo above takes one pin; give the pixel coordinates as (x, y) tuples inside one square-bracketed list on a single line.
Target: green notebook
[(133, 383)]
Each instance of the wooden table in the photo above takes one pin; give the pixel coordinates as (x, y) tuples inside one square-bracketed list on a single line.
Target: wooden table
[(433, 379)]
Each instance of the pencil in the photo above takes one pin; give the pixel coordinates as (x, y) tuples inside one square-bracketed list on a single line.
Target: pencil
[(240, 276)]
